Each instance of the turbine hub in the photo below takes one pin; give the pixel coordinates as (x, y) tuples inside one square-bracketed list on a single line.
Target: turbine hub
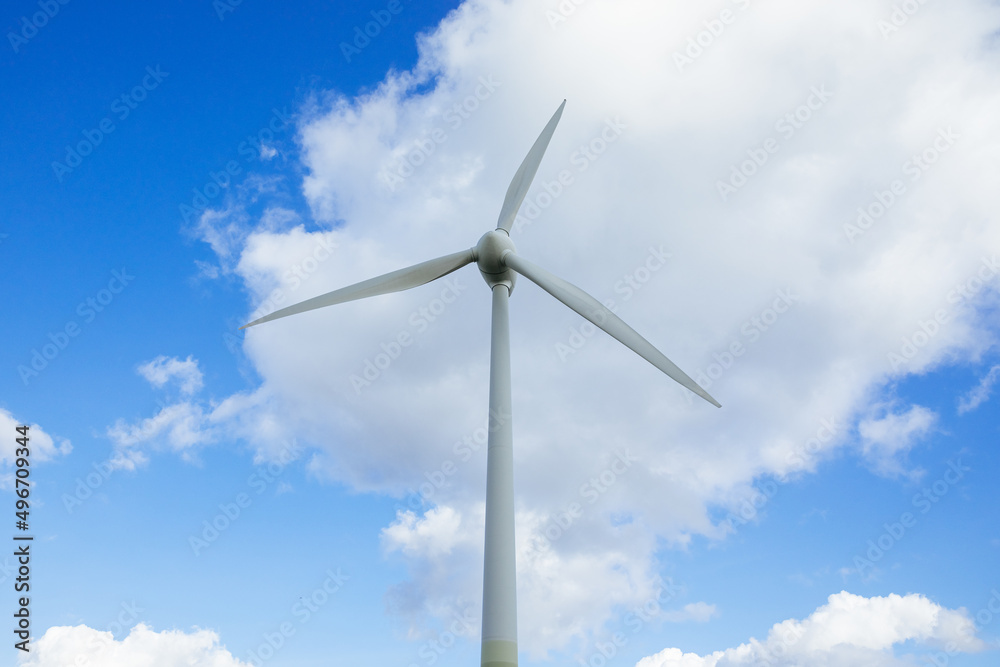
[(489, 257)]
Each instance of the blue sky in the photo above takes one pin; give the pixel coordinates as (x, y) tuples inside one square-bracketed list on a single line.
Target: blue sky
[(805, 227)]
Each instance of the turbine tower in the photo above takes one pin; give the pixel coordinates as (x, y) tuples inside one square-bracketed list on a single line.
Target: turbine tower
[(500, 264)]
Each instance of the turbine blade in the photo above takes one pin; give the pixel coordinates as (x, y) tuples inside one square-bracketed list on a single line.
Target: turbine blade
[(596, 312), (397, 281), (526, 173)]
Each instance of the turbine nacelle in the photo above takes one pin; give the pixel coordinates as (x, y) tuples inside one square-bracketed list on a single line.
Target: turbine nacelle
[(489, 254)]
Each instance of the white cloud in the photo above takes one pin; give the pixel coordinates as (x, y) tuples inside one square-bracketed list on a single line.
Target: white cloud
[(436, 543), (849, 630), (981, 393), (823, 323), (226, 227), (699, 612), (161, 370), (143, 647), (435, 534), (187, 425), (888, 437), (574, 588), (42, 446), (178, 427)]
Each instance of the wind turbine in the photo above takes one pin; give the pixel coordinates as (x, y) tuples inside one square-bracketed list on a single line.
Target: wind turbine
[(500, 264)]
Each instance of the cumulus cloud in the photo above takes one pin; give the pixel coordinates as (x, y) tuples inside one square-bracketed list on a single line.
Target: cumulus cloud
[(143, 647), (162, 370), (436, 533), (888, 436), (186, 425), (849, 630), (814, 215), (980, 393), (43, 446), (252, 204), (438, 542)]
